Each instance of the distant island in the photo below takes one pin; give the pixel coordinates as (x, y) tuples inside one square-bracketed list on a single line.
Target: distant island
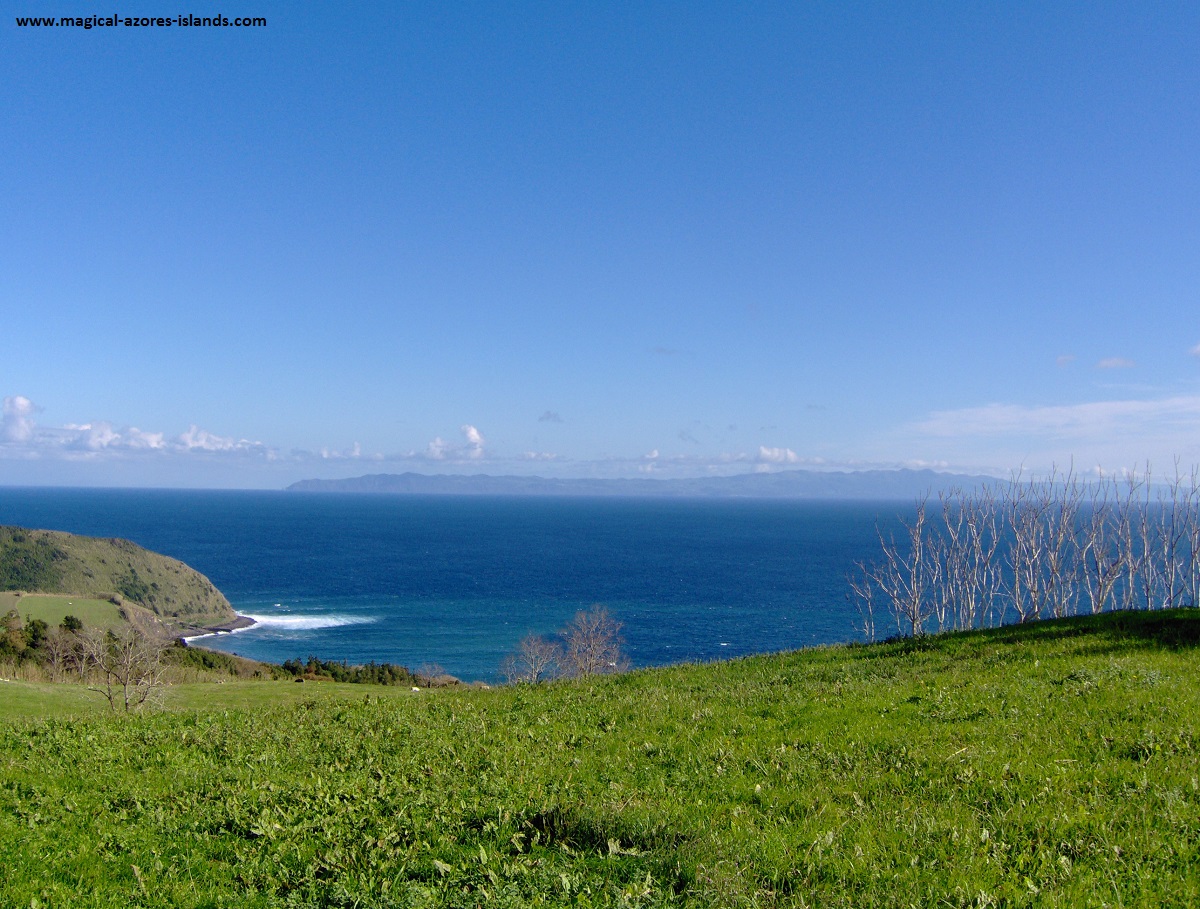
[(862, 485)]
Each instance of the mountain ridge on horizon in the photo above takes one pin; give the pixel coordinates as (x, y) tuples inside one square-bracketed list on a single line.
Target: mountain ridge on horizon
[(903, 483)]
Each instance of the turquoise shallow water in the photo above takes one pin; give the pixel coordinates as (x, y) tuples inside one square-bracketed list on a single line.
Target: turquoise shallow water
[(456, 581)]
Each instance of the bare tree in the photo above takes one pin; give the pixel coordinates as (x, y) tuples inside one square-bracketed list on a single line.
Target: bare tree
[(1192, 534), (1060, 501), (983, 574), (862, 593), (1129, 512), (536, 659), (949, 551), (592, 644), (1171, 540), (63, 653), (1026, 513), (964, 550), (1148, 530), (128, 663), (1125, 517), (1101, 556), (909, 573), (1051, 548)]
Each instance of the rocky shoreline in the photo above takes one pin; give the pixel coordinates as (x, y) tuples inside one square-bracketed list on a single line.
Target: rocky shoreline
[(237, 623)]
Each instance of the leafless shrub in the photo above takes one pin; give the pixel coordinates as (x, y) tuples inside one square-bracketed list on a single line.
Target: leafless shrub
[(908, 574), (64, 654), (1191, 580), (536, 659), (1102, 558), (592, 644), (1034, 549), (1061, 496), (863, 586), (127, 665), (1172, 516)]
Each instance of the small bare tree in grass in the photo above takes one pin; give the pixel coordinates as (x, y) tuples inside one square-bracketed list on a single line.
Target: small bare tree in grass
[(1062, 497), (1027, 524), (592, 644), (536, 659), (127, 665), (63, 653), (1102, 555), (1174, 516), (909, 573), (1191, 580), (862, 593)]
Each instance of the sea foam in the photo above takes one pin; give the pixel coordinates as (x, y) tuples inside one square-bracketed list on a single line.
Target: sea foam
[(287, 623), (305, 622)]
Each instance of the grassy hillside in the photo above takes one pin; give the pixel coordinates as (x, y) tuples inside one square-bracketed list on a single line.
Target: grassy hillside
[(1054, 764), (47, 561), (53, 608)]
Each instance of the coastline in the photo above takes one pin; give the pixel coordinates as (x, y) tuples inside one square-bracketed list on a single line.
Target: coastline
[(237, 623)]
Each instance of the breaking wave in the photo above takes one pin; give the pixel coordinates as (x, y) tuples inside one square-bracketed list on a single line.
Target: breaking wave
[(286, 623), (305, 622)]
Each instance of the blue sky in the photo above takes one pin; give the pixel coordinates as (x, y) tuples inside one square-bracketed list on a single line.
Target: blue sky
[(598, 240)]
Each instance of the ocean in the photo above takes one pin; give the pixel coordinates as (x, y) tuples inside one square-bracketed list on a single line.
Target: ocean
[(457, 581)]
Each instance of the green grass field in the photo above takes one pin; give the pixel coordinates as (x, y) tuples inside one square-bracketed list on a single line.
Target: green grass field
[(1048, 765), (31, 701), (52, 608)]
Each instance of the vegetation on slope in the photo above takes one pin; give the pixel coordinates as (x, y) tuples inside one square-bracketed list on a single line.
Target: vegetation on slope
[(47, 561), (1053, 764), (53, 609)]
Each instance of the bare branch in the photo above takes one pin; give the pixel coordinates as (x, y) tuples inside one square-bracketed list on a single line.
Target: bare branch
[(593, 644), (536, 659), (129, 663)]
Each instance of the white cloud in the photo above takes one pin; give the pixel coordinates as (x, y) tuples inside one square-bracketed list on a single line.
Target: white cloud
[(1195, 351), (1065, 360), (97, 436), (21, 437), (18, 423), (474, 441), (350, 454), (1113, 434), (139, 439), (101, 435), (196, 439), (777, 455), (1115, 363), (1067, 420), (441, 450), (920, 464)]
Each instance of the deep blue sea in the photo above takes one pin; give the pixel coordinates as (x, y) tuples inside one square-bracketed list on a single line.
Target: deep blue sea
[(457, 581)]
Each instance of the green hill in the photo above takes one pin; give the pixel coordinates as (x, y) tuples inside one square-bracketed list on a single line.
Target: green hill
[(1052, 764), (47, 561)]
